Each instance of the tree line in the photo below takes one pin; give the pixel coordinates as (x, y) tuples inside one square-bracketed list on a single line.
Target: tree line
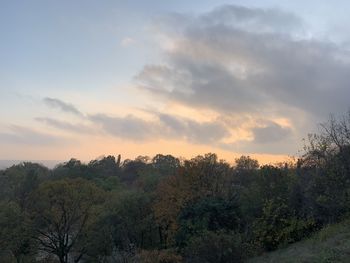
[(166, 209)]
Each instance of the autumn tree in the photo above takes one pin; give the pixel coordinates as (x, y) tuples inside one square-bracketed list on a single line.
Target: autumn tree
[(200, 177)]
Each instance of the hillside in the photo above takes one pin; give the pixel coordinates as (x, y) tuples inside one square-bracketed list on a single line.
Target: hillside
[(331, 244)]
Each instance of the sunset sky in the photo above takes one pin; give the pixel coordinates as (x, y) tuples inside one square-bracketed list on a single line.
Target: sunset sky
[(89, 78)]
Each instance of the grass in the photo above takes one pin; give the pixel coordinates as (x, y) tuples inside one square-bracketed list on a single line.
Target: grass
[(331, 244)]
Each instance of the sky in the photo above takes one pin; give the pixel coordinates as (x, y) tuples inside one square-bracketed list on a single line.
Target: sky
[(89, 78)]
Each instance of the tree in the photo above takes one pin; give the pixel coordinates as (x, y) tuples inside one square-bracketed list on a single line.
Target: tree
[(200, 177), (208, 214), (104, 167), (62, 211), (332, 140), (71, 169), (166, 164), (125, 225), (327, 158), (19, 180), (132, 169), (279, 225), (246, 163), (245, 170), (15, 232), (132, 219)]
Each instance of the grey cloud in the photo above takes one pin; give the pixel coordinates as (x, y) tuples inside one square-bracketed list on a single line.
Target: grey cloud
[(63, 125), (237, 60), (270, 133), (23, 135), (129, 127), (250, 19), (230, 70), (163, 127), (193, 131), (63, 106), (255, 19)]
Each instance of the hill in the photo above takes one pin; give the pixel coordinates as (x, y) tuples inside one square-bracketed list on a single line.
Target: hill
[(331, 244)]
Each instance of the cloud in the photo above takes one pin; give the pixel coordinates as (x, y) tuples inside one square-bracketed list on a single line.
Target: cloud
[(270, 133), (61, 105), (224, 67), (164, 126), (63, 125), (251, 67), (129, 127), (208, 132), (253, 19), (250, 61), (133, 128), (127, 41), (26, 136)]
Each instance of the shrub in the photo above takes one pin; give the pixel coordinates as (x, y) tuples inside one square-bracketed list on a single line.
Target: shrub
[(279, 226)]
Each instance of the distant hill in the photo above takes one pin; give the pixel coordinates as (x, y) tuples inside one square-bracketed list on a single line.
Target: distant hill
[(48, 163), (331, 244)]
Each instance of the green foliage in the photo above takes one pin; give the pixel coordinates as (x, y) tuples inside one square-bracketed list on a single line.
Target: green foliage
[(62, 211), (330, 244), (112, 183), (15, 233), (71, 169), (211, 214), (132, 169), (18, 181), (278, 225), (132, 222), (166, 164), (104, 167)]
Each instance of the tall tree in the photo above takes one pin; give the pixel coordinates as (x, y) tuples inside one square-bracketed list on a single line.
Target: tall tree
[(62, 211)]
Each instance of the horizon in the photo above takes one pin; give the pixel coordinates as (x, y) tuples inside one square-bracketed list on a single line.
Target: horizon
[(4, 164)]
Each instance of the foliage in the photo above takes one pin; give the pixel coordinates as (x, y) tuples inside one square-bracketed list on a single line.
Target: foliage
[(211, 214), (61, 211), (278, 225), (15, 233), (330, 244)]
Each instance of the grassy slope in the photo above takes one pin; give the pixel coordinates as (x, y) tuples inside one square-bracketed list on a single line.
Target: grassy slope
[(331, 244)]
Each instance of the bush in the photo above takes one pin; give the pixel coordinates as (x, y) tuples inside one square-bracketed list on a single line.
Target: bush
[(279, 226)]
